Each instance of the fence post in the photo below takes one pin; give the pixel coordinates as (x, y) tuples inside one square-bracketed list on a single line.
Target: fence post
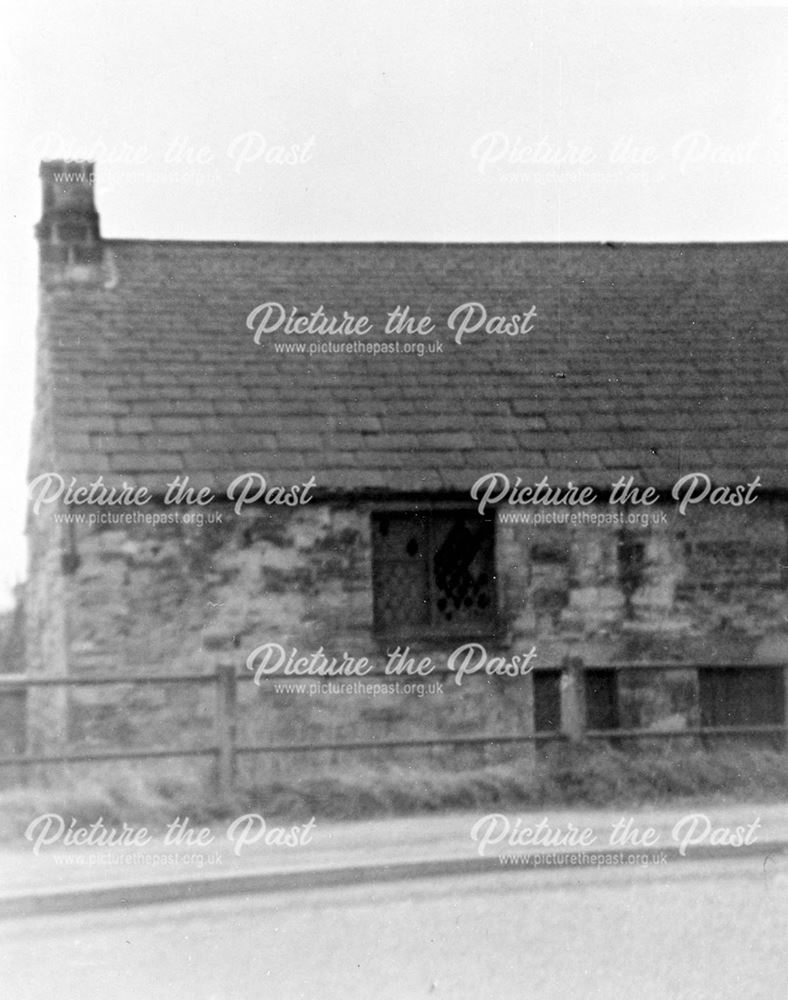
[(224, 727), (573, 701)]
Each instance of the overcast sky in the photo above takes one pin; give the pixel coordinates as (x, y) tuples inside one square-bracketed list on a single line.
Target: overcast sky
[(385, 121)]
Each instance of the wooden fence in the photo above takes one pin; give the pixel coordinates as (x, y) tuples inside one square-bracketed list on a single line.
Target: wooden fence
[(225, 748)]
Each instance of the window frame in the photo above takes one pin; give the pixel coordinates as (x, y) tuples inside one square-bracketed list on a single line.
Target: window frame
[(410, 633)]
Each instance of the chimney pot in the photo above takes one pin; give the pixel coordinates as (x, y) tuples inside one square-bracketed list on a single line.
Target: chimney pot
[(68, 215)]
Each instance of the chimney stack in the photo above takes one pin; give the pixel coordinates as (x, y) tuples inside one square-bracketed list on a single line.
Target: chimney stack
[(68, 233)]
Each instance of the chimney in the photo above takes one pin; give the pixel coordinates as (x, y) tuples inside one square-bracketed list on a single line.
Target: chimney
[(68, 233)]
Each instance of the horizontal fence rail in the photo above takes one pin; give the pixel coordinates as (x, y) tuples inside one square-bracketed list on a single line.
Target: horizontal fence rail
[(27, 680), (14, 681), (226, 749)]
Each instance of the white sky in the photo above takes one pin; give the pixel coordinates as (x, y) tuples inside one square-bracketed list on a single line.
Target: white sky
[(405, 115)]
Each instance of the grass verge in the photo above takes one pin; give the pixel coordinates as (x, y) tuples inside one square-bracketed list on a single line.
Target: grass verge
[(574, 776)]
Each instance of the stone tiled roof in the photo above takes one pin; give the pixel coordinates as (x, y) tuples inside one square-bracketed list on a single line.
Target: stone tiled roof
[(653, 360)]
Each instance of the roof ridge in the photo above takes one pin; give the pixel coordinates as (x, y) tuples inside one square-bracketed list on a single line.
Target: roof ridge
[(584, 244)]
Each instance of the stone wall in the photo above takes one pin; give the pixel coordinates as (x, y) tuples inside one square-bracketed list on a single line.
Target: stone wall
[(47, 643), (708, 586), (178, 597)]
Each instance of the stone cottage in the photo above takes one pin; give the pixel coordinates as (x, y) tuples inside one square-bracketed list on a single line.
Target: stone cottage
[(250, 450)]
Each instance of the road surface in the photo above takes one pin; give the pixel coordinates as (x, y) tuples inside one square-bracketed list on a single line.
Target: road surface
[(688, 931)]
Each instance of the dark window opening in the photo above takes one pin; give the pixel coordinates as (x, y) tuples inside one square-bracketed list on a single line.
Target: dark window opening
[(601, 690), (751, 696), (631, 560), (433, 572), (547, 701)]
